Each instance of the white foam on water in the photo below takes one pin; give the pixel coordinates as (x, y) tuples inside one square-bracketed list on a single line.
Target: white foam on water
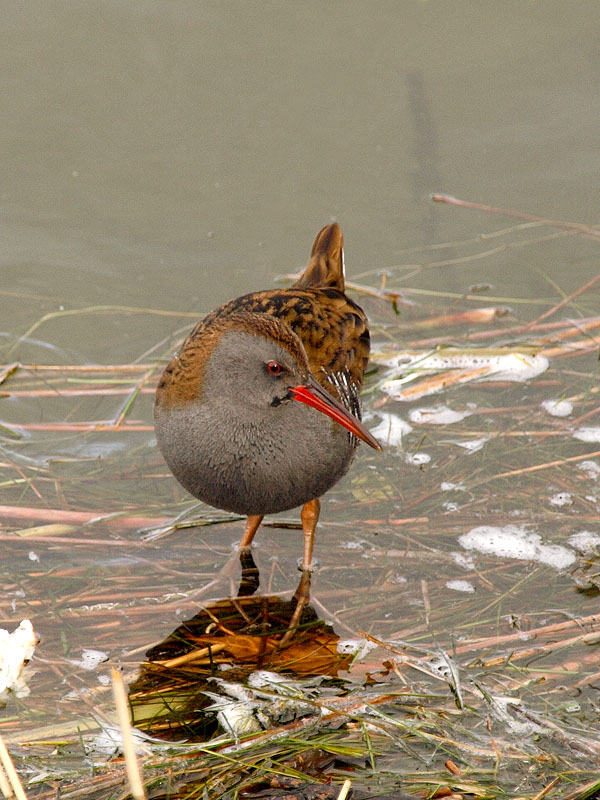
[(512, 541), (16, 649), (418, 458), (90, 659), (591, 469), (558, 408), (587, 434), (391, 429), (492, 366), (437, 415), (460, 586), (464, 560), (355, 647), (585, 542), (450, 507), (562, 499), (472, 445)]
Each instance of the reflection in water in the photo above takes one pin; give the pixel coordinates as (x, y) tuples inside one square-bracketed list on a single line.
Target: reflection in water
[(250, 578), (425, 177), (222, 669)]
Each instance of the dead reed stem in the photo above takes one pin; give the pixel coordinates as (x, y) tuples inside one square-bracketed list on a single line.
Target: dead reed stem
[(11, 773), (131, 763)]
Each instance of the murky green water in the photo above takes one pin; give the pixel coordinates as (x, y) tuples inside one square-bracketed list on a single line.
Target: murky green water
[(158, 159)]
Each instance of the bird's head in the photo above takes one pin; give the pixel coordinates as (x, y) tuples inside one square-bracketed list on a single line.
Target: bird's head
[(258, 361)]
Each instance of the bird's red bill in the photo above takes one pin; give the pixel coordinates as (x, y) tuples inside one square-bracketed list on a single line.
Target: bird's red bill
[(315, 396)]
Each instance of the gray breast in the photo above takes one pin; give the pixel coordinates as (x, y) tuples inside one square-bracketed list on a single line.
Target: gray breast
[(264, 464)]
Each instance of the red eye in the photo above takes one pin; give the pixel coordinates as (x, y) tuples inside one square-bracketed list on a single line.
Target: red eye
[(274, 367)]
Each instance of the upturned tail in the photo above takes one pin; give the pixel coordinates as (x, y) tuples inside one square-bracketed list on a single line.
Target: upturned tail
[(326, 265)]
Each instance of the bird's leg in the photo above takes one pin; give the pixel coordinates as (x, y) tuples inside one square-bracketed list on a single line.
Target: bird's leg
[(252, 525), (309, 516)]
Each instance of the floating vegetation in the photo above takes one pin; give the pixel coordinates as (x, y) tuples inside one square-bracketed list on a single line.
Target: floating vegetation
[(452, 643)]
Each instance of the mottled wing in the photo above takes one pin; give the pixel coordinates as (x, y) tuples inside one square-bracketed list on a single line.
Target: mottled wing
[(332, 328)]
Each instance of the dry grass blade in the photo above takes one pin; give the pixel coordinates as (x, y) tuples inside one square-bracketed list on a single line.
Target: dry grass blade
[(575, 226), (5, 787), (79, 517), (11, 773), (475, 315), (547, 789), (536, 467), (346, 786), (589, 791), (131, 763)]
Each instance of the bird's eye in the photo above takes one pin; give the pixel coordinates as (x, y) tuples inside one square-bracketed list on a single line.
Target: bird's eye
[(274, 367)]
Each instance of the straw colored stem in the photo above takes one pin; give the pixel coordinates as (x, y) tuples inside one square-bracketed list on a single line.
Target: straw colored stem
[(11, 773), (455, 201), (131, 764), (565, 301), (79, 517), (84, 427), (547, 465), (5, 787)]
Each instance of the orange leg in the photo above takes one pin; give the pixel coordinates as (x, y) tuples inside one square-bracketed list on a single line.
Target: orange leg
[(252, 525), (309, 516)]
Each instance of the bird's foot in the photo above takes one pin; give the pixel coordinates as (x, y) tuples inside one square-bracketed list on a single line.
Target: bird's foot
[(314, 565)]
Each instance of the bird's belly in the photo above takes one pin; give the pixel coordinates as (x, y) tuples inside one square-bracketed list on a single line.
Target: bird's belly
[(254, 469)]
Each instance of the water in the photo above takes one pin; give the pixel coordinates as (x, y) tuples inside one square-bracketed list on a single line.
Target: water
[(158, 159)]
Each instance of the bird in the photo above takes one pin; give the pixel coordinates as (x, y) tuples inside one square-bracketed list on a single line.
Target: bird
[(259, 411)]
